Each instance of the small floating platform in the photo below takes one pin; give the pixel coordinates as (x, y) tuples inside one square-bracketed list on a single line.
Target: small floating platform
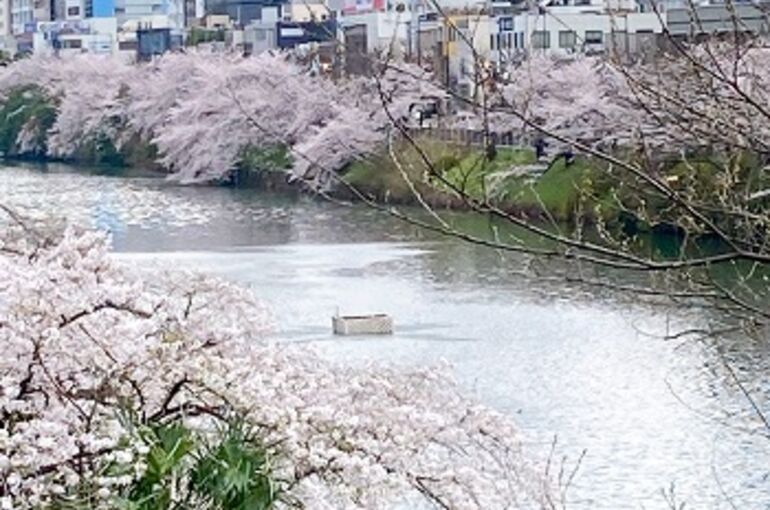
[(377, 324)]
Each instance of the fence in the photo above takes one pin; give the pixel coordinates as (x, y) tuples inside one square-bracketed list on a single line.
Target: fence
[(473, 136)]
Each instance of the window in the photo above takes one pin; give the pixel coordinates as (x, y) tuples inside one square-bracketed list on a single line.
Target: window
[(73, 11), (594, 37), (72, 43), (492, 40), (541, 39), (567, 39), (504, 41)]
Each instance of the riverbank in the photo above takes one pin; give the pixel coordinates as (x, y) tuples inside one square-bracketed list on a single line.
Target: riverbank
[(35, 125), (512, 179)]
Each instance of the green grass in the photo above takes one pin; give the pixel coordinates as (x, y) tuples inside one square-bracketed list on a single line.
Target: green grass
[(461, 167), (559, 190), (471, 171), (379, 176)]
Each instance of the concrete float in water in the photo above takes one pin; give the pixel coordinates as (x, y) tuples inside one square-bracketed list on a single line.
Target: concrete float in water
[(375, 324)]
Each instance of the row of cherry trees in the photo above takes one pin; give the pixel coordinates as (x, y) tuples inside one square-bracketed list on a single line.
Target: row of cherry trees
[(201, 111), (691, 98)]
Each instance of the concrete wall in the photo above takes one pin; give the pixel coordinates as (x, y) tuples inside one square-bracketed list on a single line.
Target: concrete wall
[(382, 28)]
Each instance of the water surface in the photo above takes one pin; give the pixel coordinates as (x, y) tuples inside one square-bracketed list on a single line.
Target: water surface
[(585, 368)]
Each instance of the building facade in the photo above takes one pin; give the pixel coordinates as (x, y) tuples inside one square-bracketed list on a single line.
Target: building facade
[(242, 12), (564, 33), (22, 16)]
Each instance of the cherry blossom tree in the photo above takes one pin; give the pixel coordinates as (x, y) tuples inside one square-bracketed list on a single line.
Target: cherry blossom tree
[(88, 341)]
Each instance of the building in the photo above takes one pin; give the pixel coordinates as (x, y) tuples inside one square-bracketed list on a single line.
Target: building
[(22, 17), (6, 41), (151, 42), (242, 12), (150, 12), (381, 29), (290, 34), (102, 8), (92, 35), (302, 11), (588, 32), (468, 49), (714, 20)]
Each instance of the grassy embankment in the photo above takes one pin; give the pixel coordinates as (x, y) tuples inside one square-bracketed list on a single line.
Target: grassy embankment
[(589, 188), (561, 191)]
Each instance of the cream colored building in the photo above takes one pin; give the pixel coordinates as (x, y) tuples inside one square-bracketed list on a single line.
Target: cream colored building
[(304, 11)]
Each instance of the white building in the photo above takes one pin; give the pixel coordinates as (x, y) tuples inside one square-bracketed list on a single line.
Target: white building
[(589, 33), (613, 25), (381, 28), (92, 35), (148, 12)]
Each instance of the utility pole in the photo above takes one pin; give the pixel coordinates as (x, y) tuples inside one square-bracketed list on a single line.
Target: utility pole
[(414, 20)]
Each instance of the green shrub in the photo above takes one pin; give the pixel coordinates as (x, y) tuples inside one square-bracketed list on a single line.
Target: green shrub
[(269, 158), (228, 469), (99, 150), (25, 105)]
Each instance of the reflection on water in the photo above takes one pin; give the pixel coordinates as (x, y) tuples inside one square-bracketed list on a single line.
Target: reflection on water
[(590, 370)]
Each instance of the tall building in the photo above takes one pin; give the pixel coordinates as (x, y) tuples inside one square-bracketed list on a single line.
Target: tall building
[(22, 16)]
